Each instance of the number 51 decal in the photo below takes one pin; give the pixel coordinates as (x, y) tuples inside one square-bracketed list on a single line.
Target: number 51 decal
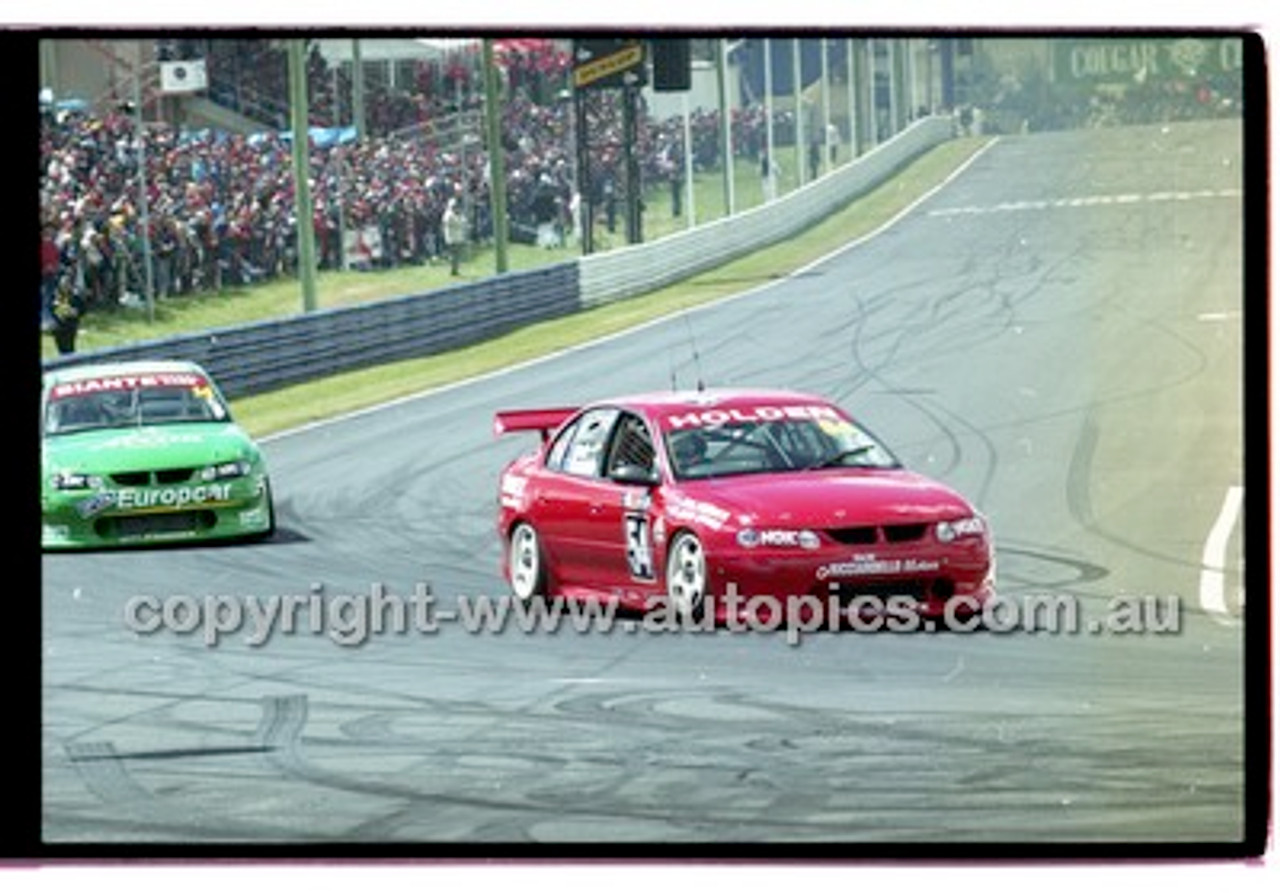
[(639, 546)]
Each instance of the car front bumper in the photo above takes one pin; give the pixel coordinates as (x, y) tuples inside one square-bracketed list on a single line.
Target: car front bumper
[(937, 582), (139, 515)]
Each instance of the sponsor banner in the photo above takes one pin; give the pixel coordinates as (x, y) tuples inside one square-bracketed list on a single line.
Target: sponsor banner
[(608, 63), (751, 538), (162, 498), (694, 511), (711, 418), (871, 566), (147, 438), (183, 76), (1118, 60), (127, 383), (96, 503)]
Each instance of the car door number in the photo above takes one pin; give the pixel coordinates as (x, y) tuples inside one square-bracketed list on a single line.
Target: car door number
[(639, 546)]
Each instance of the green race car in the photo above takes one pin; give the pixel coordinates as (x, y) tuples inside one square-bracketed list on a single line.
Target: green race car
[(144, 452)]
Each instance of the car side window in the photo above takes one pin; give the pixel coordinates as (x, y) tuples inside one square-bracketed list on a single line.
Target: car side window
[(560, 449), (585, 450), (631, 445)]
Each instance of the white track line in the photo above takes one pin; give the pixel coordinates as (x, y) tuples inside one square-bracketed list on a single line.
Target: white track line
[(603, 339), (1088, 201), (1212, 596)]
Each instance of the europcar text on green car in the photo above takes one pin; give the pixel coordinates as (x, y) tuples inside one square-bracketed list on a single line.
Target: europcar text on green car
[(143, 452)]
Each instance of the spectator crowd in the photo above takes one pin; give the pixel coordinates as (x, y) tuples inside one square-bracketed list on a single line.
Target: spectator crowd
[(220, 205)]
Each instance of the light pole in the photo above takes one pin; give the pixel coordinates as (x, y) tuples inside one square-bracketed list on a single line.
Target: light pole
[(770, 183), (497, 162), (144, 214), (826, 108), (302, 173), (357, 89), (690, 215), (851, 91), (726, 129), (799, 113), (873, 112)]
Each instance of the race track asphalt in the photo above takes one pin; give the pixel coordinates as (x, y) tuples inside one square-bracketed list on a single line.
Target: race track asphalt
[(1057, 333)]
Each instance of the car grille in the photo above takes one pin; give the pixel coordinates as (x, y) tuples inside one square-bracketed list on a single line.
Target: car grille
[(146, 478), (889, 533), (904, 533), (158, 522), (854, 536), (173, 475)]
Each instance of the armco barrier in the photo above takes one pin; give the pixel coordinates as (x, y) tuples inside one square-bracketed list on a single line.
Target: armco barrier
[(260, 356)]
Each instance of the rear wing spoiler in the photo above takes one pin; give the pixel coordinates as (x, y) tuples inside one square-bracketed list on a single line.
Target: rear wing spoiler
[(544, 421)]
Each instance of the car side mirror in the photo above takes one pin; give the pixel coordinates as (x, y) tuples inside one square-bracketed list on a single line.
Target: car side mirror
[(634, 474)]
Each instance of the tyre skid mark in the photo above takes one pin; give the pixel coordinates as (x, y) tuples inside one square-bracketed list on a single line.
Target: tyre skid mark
[(674, 736)]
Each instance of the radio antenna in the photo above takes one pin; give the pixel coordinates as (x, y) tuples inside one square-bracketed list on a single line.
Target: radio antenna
[(693, 347)]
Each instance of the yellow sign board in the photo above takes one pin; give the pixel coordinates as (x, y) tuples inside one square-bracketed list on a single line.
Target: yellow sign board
[(608, 66)]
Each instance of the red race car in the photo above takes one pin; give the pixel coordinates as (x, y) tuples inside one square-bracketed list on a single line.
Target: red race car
[(728, 502)]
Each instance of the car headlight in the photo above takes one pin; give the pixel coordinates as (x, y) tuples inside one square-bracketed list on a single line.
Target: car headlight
[(224, 470), (949, 531), (74, 480)]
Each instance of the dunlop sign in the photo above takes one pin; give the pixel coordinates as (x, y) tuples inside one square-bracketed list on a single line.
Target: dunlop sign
[(608, 63), (1116, 60)]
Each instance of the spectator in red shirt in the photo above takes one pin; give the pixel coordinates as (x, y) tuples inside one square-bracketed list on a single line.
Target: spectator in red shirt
[(49, 264)]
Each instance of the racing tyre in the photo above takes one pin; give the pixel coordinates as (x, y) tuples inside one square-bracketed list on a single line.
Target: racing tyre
[(687, 576), (524, 558)]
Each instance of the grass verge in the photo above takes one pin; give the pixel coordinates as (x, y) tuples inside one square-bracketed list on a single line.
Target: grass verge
[(290, 407)]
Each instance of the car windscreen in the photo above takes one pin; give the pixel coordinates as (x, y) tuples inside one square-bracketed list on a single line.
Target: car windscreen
[(70, 411), (754, 447)]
